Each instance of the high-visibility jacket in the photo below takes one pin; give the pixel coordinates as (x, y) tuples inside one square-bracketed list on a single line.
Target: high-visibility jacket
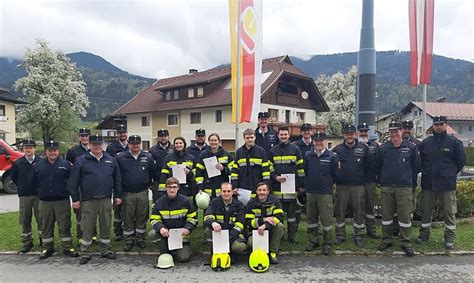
[(250, 167), (176, 158), (173, 213), (212, 186), (256, 211), (230, 218), (286, 158)]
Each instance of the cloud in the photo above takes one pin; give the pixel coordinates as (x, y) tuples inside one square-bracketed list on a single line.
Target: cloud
[(162, 38)]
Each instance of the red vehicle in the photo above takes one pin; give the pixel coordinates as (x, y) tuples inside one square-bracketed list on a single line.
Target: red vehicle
[(8, 155)]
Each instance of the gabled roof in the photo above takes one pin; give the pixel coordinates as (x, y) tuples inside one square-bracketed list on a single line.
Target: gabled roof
[(453, 111), (150, 100), (5, 96)]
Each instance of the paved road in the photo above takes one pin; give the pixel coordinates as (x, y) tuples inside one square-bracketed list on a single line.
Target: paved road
[(291, 268), (8, 202)]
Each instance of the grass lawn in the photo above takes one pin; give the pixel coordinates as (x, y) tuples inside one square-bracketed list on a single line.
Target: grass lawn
[(10, 239)]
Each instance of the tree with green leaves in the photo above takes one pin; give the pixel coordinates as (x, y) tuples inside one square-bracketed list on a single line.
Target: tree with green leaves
[(339, 92), (54, 91)]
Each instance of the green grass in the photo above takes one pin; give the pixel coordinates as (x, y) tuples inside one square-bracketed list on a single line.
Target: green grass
[(10, 239)]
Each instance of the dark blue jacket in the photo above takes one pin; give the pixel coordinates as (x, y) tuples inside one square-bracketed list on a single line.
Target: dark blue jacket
[(115, 147), (195, 151), (159, 153), (320, 171), (75, 152), (96, 179), (416, 142), (52, 179), (442, 157), (371, 170), (23, 176), (303, 147), (396, 166), (137, 174), (267, 141), (352, 165)]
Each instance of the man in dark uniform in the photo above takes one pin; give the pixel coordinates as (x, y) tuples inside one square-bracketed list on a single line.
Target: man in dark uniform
[(407, 130), (350, 179), (137, 168), (23, 176), (199, 145), (265, 136), (370, 178), (52, 175), (95, 180), (159, 152), (72, 154), (118, 146), (442, 158)]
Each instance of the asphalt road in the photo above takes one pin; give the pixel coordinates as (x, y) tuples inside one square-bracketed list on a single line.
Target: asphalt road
[(290, 269)]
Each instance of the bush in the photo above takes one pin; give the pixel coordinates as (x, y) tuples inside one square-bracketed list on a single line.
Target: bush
[(469, 156)]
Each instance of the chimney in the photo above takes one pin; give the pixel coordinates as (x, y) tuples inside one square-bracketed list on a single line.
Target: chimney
[(192, 71)]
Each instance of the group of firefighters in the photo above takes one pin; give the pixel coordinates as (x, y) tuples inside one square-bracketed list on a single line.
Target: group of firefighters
[(113, 184)]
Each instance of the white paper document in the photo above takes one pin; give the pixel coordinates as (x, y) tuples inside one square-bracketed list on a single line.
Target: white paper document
[(179, 172), (244, 195), (288, 187), (260, 242), (220, 242), (211, 169), (175, 240)]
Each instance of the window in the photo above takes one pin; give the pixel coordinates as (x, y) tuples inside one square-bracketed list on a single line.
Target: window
[(145, 145), (145, 121), (173, 119), (218, 116), (190, 92), (176, 95), (200, 91), (273, 114), (111, 133), (2, 110), (287, 116), (195, 118), (300, 117), (168, 96), (329, 145), (470, 128), (288, 88)]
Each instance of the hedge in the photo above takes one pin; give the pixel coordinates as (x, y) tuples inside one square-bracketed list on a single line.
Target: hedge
[(469, 156)]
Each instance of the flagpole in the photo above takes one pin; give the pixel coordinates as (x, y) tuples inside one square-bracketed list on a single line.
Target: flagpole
[(237, 85), (424, 111)]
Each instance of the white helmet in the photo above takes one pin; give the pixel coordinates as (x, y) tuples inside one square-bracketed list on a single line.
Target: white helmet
[(202, 200)]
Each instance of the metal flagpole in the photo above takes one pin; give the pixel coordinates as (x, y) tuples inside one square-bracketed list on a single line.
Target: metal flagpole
[(237, 85), (424, 111)]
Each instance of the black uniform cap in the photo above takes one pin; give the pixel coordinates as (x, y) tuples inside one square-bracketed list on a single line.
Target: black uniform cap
[(121, 128), (263, 115), (163, 132), (407, 124), (363, 127), (134, 139), (29, 142), (96, 139), (51, 145), (200, 132), (394, 125), (440, 119), (348, 129), (319, 136), (84, 131), (306, 127)]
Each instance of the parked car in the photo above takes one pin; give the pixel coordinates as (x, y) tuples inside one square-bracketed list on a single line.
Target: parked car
[(8, 155)]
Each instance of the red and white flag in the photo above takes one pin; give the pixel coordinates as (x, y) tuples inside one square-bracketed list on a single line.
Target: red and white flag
[(421, 18), (246, 55)]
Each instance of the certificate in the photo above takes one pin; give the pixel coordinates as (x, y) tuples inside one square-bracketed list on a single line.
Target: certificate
[(211, 169), (179, 172), (175, 239), (260, 242), (244, 195), (220, 242), (288, 187)]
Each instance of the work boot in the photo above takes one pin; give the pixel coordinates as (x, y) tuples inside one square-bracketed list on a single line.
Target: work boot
[(127, 247), (46, 253), (359, 242), (384, 246), (26, 248), (118, 238), (70, 253), (292, 239), (326, 249), (108, 254), (273, 258), (339, 241), (422, 239), (373, 234), (141, 244), (449, 245), (84, 259), (408, 251), (311, 247)]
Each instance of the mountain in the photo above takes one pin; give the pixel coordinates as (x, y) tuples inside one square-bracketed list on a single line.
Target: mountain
[(108, 87), (451, 78)]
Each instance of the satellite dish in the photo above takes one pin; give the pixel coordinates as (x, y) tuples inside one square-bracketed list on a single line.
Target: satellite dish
[(304, 95)]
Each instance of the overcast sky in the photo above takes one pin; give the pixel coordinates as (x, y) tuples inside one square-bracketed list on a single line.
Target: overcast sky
[(159, 38)]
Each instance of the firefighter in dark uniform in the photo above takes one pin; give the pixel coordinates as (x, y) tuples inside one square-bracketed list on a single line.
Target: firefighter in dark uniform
[(52, 175), (177, 157), (226, 213), (305, 144), (397, 161), (370, 179), (199, 145), (112, 149), (95, 180), (159, 152), (350, 179), (264, 212), (136, 168), (265, 136), (442, 158), (407, 132), (72, 154), (173, 211), (23, 176), (251, 165), (212, 186), (286, 158)]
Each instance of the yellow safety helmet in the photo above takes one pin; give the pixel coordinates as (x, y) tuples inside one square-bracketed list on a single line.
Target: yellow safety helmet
[(220, 262), (259, 261), (165, 261), (202, 200)]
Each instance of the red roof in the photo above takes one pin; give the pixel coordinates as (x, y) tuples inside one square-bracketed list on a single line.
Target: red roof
[(149, 100), (453, 111)]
